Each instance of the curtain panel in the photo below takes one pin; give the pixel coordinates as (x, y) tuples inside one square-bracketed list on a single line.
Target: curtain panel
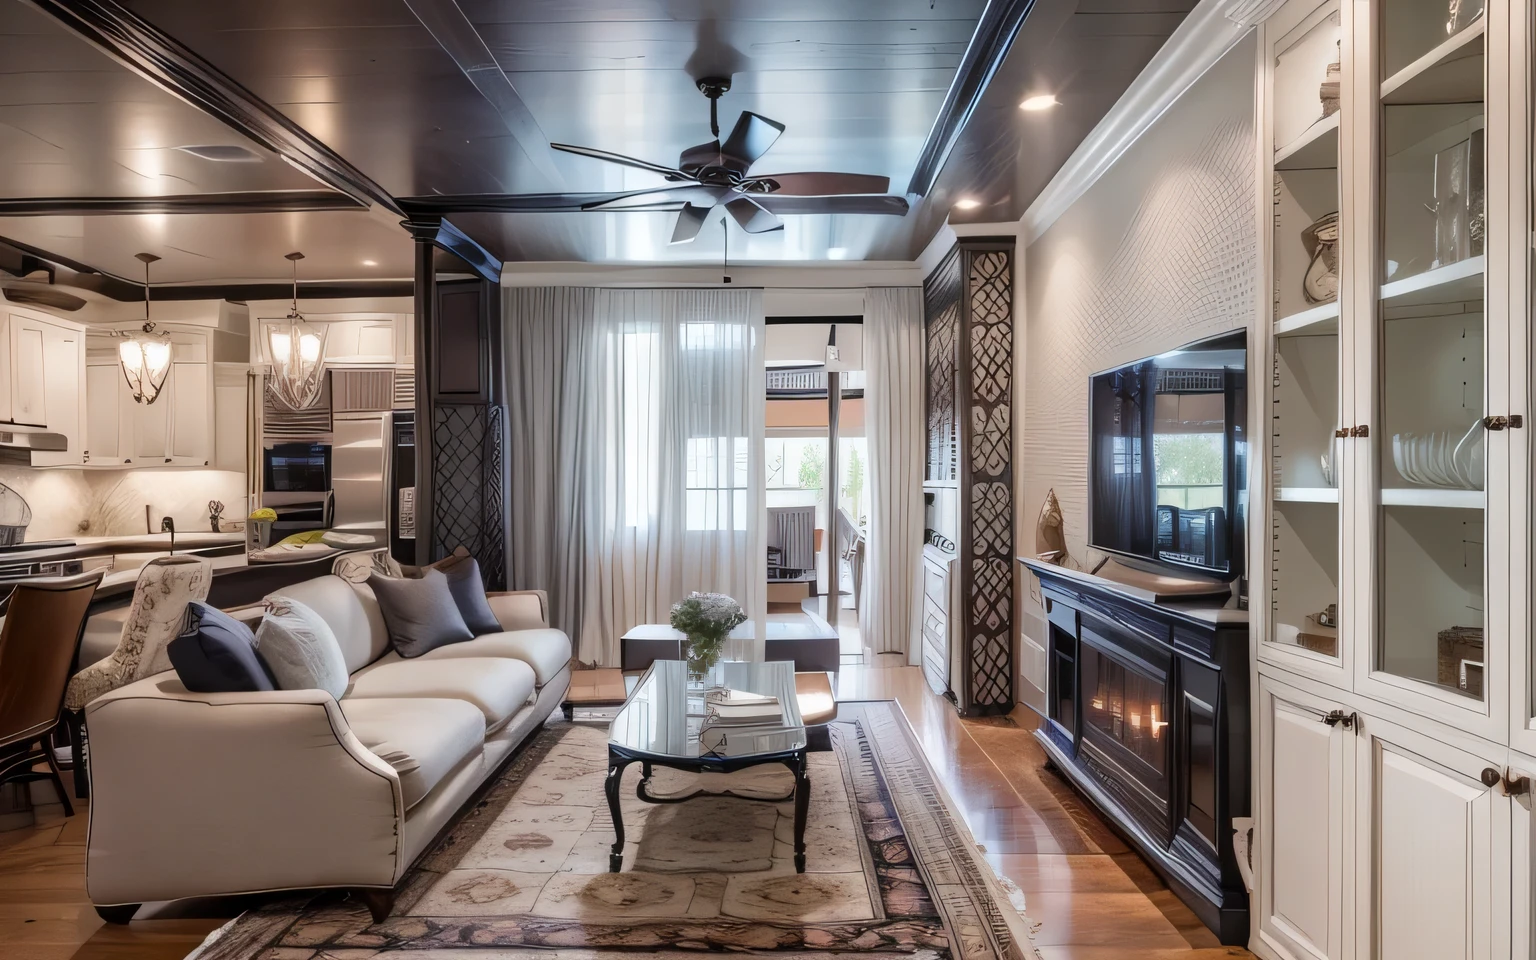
[(894, 395), (638, 417)]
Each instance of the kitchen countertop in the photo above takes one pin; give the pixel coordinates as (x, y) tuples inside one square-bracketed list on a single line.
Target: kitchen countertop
[(206, 543)]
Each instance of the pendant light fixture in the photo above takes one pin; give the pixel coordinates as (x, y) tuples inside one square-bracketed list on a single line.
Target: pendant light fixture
[(145, 357), (296, 348)]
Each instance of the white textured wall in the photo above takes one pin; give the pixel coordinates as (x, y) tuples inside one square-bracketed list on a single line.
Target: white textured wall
[(1160, 251)]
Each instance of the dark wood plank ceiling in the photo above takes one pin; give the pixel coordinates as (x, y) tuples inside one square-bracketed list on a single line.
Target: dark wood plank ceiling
[(469, 105)]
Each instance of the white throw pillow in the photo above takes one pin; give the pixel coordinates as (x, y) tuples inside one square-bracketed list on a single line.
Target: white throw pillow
[(300, 648)]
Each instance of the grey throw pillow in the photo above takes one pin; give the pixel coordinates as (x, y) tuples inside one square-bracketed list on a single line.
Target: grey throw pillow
[(419, 614), (300, 648), (469, 595)]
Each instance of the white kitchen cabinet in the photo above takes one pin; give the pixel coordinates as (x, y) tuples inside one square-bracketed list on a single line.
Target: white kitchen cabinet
[(42, 361), (28, 404), (104, 412), (176, 430), (63, 382), (1433, 849), (1306, 764)]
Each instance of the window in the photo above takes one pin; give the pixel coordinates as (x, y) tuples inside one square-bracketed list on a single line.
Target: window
[(716, 483)]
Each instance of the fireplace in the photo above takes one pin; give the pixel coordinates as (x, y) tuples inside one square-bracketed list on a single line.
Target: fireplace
[(1147, 714)]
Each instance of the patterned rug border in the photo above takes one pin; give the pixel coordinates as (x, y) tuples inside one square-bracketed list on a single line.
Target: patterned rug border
[(951, 903)]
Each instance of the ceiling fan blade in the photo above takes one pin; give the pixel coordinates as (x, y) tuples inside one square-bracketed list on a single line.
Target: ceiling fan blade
[(690, 220), (619, 158), (818, 184), (793, 206), (751, 217), (692, 193), (750, 139)]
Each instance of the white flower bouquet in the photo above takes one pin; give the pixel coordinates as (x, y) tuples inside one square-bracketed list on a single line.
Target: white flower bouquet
[(706, 619)]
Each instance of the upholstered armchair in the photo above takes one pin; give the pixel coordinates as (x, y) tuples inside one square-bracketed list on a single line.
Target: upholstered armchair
[(157, 614)]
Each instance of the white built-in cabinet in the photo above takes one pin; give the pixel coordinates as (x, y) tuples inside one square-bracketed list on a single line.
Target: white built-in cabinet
[(42, 360), (1392, 590), (177, 430)]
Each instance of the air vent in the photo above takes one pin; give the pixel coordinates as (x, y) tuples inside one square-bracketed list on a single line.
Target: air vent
[(222, 153)]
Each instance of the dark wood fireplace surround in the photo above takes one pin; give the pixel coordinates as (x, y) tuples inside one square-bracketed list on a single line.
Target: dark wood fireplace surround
[(1147, 714)]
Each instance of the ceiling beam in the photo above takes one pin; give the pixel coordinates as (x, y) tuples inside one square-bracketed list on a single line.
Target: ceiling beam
[(164, 61), (995, 32), (436, 230), (458, 38), (255, 201)]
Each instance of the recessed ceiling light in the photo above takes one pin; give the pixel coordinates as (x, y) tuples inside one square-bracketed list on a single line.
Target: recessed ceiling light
[(222, 153), (967, 203), (370, 263), (1040, 101)]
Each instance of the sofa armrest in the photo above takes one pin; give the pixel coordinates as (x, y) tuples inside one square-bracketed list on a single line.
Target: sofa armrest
[(205, 794), (520, 609)]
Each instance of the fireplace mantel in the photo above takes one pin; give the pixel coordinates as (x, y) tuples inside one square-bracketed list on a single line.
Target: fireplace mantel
[(1147, 713)]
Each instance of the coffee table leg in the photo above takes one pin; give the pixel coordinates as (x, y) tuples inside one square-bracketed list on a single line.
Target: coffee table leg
[(611, 788), (802, 806)]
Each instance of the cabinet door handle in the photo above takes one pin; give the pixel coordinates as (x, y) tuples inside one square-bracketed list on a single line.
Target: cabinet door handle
[(1491, 777), (1495, 423), (1341, 432), (1515, 786), (1339, 718)]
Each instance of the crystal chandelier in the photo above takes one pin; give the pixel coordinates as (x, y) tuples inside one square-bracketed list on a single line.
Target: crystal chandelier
[(145, 357), (297, 350)]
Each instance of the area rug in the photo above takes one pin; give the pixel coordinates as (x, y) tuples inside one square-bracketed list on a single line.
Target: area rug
[(890, 869)]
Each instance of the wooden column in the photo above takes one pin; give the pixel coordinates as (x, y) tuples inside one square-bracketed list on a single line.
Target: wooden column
[(461, 476), (426, 306), (969, 312)]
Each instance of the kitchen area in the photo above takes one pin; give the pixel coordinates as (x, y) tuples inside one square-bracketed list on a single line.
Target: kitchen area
[(93, 477)]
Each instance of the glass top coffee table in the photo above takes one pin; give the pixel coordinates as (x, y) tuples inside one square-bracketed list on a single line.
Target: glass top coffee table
[(659, 725)]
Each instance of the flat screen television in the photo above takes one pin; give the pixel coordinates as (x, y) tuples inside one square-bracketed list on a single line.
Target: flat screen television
[(296, 468), (1168, 456)]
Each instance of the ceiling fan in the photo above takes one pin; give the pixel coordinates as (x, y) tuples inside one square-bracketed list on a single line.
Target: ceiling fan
[(717, 174)]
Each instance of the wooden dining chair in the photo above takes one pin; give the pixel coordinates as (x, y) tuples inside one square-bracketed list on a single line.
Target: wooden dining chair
[(44, 619)]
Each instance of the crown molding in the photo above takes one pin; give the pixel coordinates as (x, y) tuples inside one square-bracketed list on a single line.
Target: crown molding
[(1212, 28), (809, 276)]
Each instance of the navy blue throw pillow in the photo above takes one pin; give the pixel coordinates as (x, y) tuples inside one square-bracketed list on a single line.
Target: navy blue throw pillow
[(469, 596), (217, 654)]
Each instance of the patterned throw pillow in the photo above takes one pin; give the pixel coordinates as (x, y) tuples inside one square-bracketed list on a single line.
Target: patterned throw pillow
[(300, 648)]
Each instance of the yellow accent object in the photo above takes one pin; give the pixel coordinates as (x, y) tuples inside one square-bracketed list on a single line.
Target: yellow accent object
[(265, 513), (308, 536)]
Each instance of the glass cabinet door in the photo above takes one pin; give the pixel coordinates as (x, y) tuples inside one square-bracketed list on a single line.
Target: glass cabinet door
[(1305, 454), (1431, 347)]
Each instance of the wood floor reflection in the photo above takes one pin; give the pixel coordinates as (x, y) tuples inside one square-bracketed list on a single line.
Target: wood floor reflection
[(1091, 896)]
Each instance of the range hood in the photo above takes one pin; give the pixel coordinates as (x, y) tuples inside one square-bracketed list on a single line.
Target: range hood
[(18, 440)]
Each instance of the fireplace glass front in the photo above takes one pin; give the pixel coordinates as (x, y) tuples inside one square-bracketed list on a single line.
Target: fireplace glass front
[(1125, 704)]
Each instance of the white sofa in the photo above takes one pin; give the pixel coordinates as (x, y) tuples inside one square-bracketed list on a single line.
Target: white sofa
[(209, 794)]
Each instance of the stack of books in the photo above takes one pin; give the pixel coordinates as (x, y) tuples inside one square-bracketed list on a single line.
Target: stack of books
[(727, 711)]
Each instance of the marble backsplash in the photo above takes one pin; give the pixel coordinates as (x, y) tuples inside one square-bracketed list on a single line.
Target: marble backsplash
[(110, 503)]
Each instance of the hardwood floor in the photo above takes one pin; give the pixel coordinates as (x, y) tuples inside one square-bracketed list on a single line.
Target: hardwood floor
[(1092, 898)]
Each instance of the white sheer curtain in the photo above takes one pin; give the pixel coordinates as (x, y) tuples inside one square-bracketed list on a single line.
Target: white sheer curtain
[(552, 349), (894, 421), (653, 402)]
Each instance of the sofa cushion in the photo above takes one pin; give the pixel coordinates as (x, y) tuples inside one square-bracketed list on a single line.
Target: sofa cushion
[(300, 648), (498, 687), (546, 650), (351, 612), (420, 614), (217, 654), (421, 737)]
